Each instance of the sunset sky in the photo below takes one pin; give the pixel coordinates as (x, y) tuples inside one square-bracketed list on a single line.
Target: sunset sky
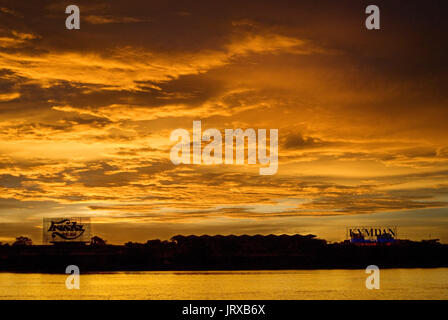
[(86, 116)]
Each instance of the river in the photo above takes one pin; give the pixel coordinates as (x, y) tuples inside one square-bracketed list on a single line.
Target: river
[(245, 285)]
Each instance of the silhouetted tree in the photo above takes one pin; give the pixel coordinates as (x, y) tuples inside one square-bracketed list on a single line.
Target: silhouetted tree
[(97, 241), (154, 243), (131, 244), (22, 241)]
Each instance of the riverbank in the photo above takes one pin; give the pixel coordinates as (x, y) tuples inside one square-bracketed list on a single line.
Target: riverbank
[(223, 253)]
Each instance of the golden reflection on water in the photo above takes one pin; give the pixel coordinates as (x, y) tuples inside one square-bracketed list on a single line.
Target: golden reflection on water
[(284, 285)]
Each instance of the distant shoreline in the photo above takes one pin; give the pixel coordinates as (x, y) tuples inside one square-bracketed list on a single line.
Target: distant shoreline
[(227, 253), (217, 271)]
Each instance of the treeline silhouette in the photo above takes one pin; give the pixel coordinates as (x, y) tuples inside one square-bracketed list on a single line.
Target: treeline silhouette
[(219, 253)]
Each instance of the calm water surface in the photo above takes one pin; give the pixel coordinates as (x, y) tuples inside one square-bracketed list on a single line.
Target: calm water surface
[(284, 284)]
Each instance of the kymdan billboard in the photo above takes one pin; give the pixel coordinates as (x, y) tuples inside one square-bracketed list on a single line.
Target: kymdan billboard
[(73, 229), (372, 234)]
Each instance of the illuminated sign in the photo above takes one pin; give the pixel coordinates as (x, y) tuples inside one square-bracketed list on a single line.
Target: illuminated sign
[(66, 230), (372, 234)]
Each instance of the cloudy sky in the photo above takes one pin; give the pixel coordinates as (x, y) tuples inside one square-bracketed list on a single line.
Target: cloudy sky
[(86, 116)]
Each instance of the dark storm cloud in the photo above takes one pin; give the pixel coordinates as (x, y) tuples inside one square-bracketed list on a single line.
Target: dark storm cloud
[(298, 141), (104, 174), (10, 181), (408, 46), (206, 24)]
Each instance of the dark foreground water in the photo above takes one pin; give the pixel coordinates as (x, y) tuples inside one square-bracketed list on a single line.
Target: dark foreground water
[(284, 284)]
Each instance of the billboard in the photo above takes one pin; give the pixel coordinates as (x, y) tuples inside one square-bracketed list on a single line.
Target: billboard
[(73, 229), (372, 234)]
